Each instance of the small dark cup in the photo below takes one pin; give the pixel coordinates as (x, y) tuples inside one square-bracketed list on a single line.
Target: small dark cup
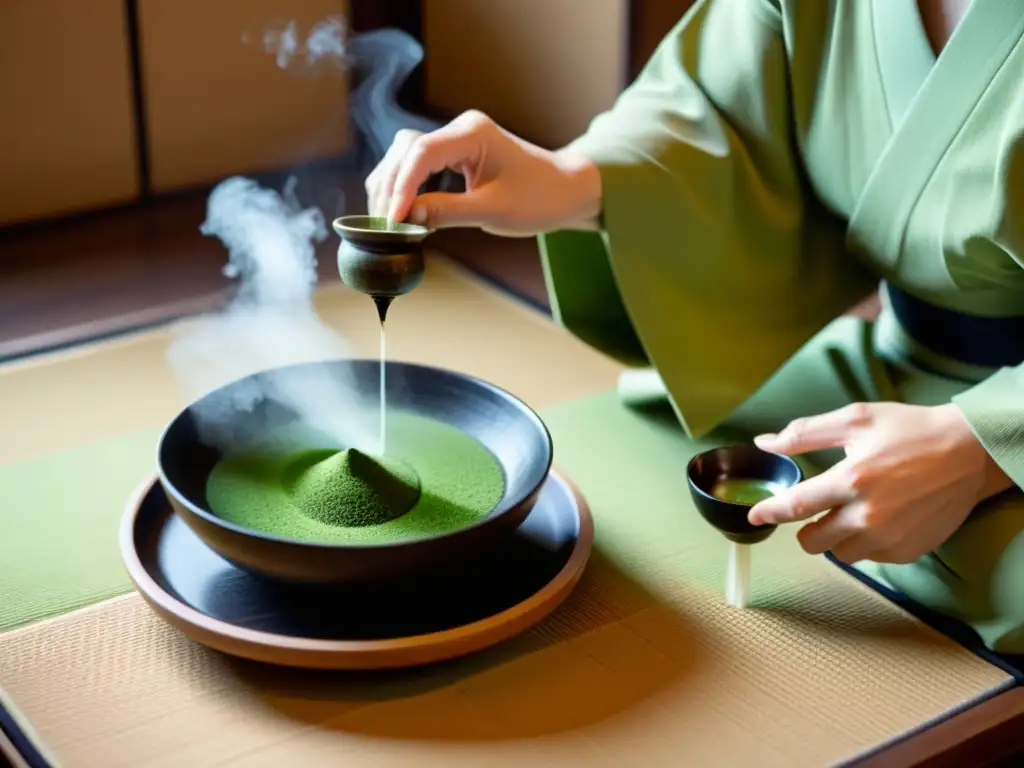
[(378, 259), (737, 461)]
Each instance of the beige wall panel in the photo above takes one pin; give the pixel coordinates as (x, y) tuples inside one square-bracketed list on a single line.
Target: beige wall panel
[(67, 136), (542, 68), (218, 104)]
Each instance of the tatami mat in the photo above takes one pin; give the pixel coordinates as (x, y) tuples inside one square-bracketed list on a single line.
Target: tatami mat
[(643, 665)]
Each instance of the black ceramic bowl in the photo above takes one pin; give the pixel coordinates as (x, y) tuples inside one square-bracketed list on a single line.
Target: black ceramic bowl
[(503, 424), (737, 461)]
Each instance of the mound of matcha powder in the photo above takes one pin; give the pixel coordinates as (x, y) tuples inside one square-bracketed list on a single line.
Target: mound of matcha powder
[(350, 488), (294, 483)]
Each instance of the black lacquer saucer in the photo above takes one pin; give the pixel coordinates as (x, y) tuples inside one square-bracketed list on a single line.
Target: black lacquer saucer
[(470, 605)]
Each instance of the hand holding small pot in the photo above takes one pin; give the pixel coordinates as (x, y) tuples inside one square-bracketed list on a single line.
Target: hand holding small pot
[(513, 188)]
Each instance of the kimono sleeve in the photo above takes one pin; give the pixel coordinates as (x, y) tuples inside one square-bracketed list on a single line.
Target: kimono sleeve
[(714, 263), (995, 410)]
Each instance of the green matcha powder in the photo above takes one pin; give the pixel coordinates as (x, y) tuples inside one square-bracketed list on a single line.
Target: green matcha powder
[(350, 488), (294, 484)]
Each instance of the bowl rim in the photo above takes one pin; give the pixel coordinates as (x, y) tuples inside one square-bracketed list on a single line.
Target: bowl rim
[(357, 224), (209, 517), (749, 448)]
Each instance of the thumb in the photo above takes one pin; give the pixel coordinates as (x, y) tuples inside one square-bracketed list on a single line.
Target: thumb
[(815, 433), (437, 210)]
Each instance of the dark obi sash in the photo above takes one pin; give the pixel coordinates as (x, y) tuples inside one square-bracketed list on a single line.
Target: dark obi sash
[(993, 342)]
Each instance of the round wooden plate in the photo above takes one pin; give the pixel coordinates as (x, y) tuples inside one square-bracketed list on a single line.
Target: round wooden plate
[(477, 603)]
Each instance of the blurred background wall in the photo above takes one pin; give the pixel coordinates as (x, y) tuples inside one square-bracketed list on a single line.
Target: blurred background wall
[(118, 116), (110, 101)]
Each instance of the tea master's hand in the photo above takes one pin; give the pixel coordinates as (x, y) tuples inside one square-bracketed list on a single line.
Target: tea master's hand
[(911, 476), (513, 188)]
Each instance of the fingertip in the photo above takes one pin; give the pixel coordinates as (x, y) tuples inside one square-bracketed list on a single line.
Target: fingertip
[(419, 215), (805, 536), (398, 210), (778, 444), (403, 196)]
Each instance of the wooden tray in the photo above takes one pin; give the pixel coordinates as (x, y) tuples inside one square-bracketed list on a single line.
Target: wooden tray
[(475, 604)]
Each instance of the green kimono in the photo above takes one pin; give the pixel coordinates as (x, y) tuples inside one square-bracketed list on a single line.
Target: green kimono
[(776, 161)]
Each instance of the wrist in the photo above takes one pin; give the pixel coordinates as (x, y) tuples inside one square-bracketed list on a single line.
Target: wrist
[(991, 478), (582, 183), (994, 479)]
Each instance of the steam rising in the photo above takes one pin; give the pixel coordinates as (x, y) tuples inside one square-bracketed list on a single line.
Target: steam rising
[(270, 238), (383, 59), (325, 40), (270, 322)]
